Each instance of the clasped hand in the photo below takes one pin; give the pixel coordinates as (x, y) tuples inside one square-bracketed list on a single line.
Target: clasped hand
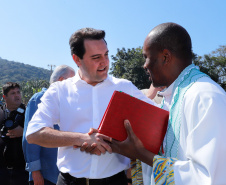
[(131, 147), (95, 143)]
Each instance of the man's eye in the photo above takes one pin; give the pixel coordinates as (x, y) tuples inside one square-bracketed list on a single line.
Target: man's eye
[(96, 58)]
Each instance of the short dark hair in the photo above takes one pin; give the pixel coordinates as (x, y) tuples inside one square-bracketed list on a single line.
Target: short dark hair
[(8, 86), (76, 41), (175, 38)]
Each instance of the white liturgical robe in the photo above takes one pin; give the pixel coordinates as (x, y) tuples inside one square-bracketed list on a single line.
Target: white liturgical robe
[(201, 153)]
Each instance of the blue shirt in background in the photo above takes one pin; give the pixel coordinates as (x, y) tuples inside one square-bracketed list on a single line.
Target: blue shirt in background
[(38, 157)]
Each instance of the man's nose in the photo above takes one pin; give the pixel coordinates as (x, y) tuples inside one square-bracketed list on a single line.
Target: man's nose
[(18, 95), (104, 60), (145, 69)]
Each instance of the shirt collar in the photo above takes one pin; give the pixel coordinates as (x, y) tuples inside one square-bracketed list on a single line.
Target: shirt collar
[(168, 91), (44, 89), (77, 79)]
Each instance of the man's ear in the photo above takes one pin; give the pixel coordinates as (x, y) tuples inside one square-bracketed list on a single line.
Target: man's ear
[(61, 78), (167, 56), (76, 60)]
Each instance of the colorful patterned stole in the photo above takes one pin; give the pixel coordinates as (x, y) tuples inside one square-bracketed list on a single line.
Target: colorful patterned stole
[(136, 172), (184, 81)]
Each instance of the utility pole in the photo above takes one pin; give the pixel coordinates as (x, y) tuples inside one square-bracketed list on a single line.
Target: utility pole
[(51, 67)]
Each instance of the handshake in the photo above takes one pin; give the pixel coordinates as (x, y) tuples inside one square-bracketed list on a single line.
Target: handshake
[(98, 143)]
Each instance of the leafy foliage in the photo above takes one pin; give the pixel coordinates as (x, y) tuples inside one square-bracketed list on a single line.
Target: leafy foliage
[(129, 65), (214, 65), (31, 87)]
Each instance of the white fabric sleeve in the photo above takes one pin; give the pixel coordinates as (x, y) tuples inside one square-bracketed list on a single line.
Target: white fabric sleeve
[(205, 149), (47, 113)]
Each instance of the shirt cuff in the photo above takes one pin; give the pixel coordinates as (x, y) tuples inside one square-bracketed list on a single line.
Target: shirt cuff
[(33, 166)]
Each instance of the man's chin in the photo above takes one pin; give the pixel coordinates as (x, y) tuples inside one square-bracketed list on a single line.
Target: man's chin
[(102, 79), (18, 104), (102, 76), (156, 85)]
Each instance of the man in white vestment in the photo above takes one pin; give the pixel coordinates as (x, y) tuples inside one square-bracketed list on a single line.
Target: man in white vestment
[(194, 148)]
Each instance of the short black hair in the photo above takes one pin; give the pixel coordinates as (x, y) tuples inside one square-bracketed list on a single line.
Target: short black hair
[(8, 86), (76, 41), (173, 37)]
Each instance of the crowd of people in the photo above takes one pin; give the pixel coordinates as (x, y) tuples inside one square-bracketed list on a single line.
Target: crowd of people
[(22, 163), (54, 138)]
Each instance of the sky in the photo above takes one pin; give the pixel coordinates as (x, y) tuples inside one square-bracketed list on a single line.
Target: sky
[(37, 32)]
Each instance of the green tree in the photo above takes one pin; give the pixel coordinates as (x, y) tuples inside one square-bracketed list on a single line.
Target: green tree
[(214, 64), (198, 61), (29, 88), (128, 64)]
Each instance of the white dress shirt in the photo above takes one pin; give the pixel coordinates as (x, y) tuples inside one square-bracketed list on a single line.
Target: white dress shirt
[(202, 148), (78, 106)]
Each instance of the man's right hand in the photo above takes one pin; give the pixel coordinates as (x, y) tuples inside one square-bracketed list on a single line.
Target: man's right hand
[(16, 132), (37, 178), (96, 144)]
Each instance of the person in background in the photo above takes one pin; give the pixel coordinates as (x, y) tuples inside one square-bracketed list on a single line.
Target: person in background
[(193, 148), (78, 104), (41, 161), (12, 164), (152, 93)]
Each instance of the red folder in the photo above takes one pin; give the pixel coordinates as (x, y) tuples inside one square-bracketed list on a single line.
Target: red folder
[(148, 122)]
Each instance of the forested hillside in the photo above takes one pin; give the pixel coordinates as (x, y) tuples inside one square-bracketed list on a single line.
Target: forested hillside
[(19, 72)]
